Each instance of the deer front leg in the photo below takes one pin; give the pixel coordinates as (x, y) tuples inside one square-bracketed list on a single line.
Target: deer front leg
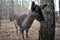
[(27, 33), (22, 32)]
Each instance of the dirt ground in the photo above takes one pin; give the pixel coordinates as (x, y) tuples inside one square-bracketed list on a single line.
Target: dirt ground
[(8, 31)]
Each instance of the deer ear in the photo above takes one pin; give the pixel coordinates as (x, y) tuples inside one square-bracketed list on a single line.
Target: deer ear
[(43, 6), (33, 6), (33, 3)]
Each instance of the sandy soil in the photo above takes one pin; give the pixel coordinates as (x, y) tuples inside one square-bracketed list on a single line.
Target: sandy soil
[(8, 31)]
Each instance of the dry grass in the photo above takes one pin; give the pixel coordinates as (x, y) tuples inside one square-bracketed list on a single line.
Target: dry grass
[(8, 31)]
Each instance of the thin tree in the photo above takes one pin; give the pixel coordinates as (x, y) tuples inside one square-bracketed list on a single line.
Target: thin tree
[(0, 11), (11, 6)]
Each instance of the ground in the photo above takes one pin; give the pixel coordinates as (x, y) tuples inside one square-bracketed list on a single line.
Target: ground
[(8, 31)]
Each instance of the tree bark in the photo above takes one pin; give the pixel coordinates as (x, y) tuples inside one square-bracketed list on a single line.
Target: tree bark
[(11, 7), (47, 27), (0, 11)]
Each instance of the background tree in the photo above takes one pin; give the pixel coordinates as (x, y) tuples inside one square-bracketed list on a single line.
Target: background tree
[(11, 7), (0, 11), (47, 27)]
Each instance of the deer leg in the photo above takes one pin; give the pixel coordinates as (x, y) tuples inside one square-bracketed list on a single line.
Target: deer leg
[(22, 32), (16, 28), (27, 33)]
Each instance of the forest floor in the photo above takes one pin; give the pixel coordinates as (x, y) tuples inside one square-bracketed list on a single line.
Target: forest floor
[(8, 31)]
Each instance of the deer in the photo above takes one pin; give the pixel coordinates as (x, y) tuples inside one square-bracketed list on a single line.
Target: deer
[(25, 21)]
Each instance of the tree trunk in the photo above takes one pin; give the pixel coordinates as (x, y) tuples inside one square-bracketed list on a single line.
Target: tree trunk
[(47, 27), (11, 7), (0, 11)]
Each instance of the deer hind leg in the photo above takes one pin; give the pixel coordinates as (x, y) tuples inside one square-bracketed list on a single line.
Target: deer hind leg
[(16, 28)]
